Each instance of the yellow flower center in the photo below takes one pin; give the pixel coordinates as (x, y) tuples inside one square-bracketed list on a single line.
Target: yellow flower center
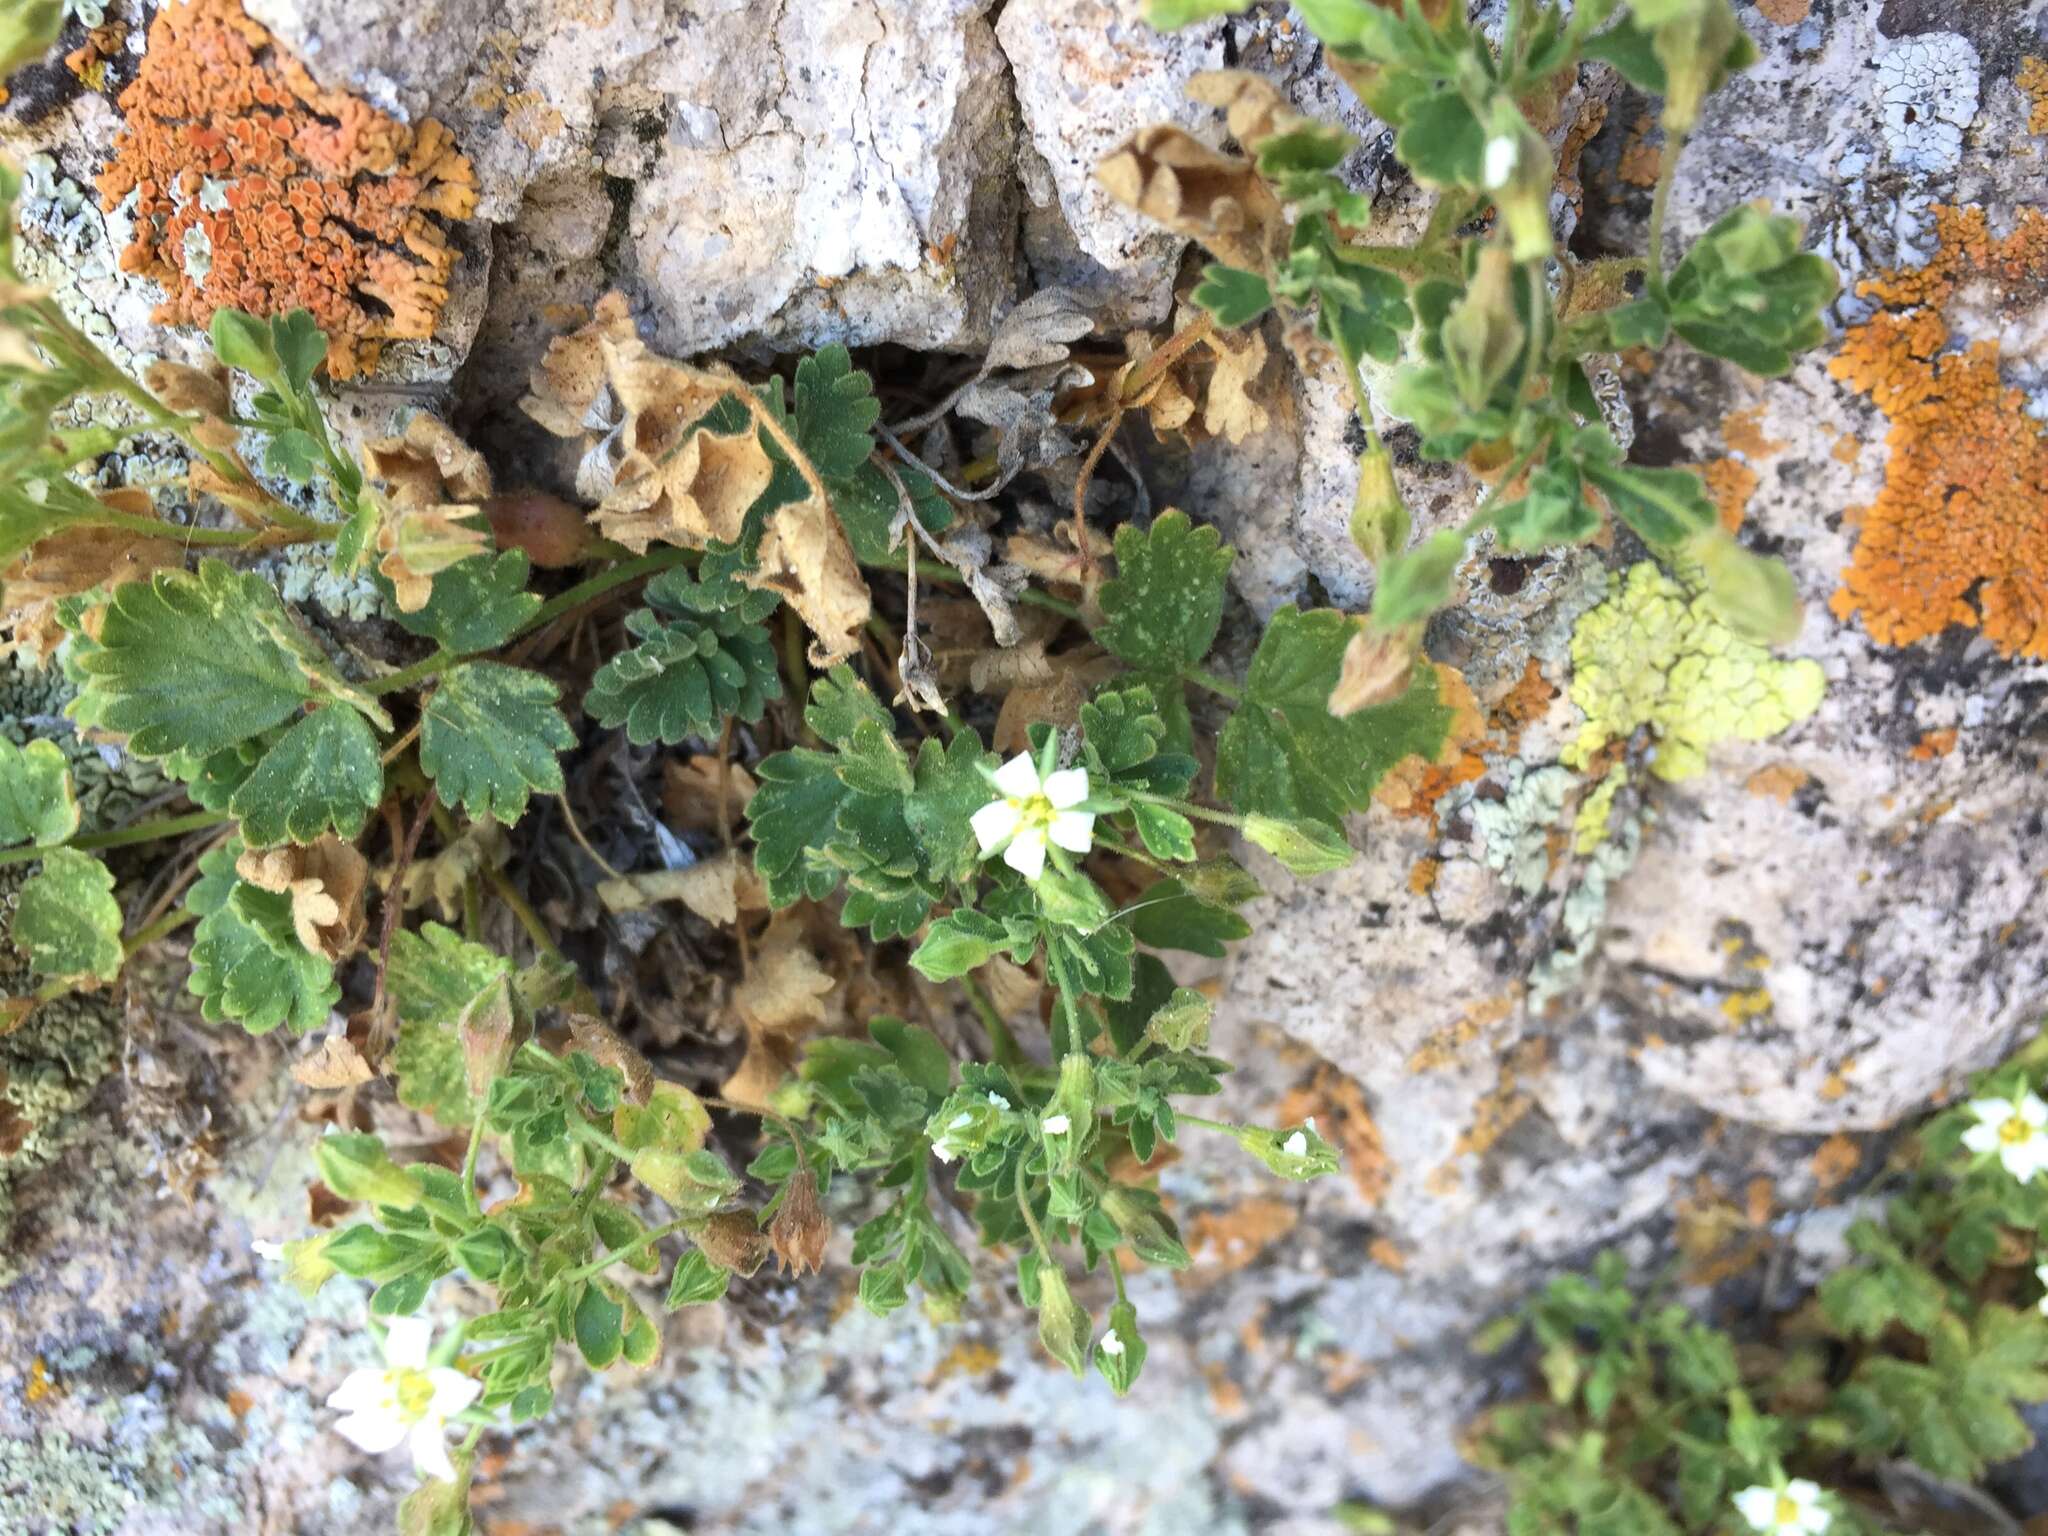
[(414, 1391), (1788, 1510), (1036, 811), (2015, 1131)]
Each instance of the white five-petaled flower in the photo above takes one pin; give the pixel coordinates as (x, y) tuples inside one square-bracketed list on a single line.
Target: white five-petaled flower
[(1501, 155), (1033, 811), (1057, 1125), (1111, 1344), (1792, 1510), (2016, 1129), (407, 1400)]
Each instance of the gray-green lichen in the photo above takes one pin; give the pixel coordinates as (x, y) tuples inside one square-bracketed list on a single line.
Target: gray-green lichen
[(1514, 831)]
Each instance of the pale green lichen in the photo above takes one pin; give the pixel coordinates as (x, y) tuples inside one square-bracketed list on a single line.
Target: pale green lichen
[(1514, 831), (1607, 837), (1655, 656)]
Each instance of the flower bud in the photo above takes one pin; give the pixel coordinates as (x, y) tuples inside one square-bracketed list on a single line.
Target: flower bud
[(966, 1123), (1120, 1352), (1305, 847), (1519, 173), (1140, 1221), (1482, 336), (357, 1167), (1063, 1328), (1298, 1154), (1379, 517), (732, 1240), (486, 1029), (1069, 1123), (799, 1231)]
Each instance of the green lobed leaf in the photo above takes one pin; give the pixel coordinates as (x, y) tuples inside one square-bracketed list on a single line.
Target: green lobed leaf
[(836, 409), (489, 736), (685, 678), (1284, 754), (696, 1280), (247, 963), (795, 809), (185, 662), (37, 802), (66, 919), (948, 789), (1166, 916), (476, 604), (1163, 607), (324, 773), (1234, 296)]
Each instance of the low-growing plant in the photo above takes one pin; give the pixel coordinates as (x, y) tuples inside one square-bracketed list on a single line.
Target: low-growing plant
[(1923, 1348), (735, 517)]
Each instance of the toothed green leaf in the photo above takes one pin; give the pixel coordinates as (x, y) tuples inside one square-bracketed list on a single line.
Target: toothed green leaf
[(247, 963), (685, 678), (476, 604), (1284, 754), (186, 663), (489, 737), (37, 802), (323, 774), (1163, 607), (66, 919)]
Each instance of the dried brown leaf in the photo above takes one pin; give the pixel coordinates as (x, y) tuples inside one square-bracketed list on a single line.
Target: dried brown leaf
[(708, 888), (786, 989), (1173, 178), (1228, 409), (572, 374), (64, 564), (769, 1059), (689, 794), (806, 559), (688, 493), (337, 1064), (604, 1045), (326, 882)]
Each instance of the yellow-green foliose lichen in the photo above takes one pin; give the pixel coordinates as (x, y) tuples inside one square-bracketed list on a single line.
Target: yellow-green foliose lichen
[(1656, 655)]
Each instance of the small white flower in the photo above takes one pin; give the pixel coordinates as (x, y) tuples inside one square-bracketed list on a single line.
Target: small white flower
[(406, 1401), (1793, 1510), (1502, 155), (263, 1248), (1111, 1344), (965, 1117), (1057, 1125), (1033, 811), (943, 1153), (999, 1101), (2016, 1129), (2041, 1274), (1295, 1145)]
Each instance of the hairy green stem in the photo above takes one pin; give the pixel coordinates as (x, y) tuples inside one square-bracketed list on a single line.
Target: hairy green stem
[(647, 1239), (1213, 684), (1660, 207), (1002, 1044), (170, 922), (141, 832), (1031, 1218)]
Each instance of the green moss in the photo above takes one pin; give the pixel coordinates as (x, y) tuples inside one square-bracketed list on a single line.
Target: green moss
[(1653, 655)]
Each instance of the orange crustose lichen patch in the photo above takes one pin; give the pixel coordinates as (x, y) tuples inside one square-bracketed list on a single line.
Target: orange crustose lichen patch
[(1959, 535), (257, 189), (2032, 80)]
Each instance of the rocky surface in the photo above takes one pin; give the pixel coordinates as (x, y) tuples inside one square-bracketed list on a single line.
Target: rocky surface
[(1528, 1042)]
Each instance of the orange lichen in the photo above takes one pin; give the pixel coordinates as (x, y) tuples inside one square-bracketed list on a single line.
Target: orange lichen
[(1731, 483), (1784, 13), (1743, 432), (1959, 535), (1640, 159), (1414, 787), (2032, 79), (1231, 1238), (1933, 744), (1778, 781), (1834, 1160), (1441, 1049), (258, 189)]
